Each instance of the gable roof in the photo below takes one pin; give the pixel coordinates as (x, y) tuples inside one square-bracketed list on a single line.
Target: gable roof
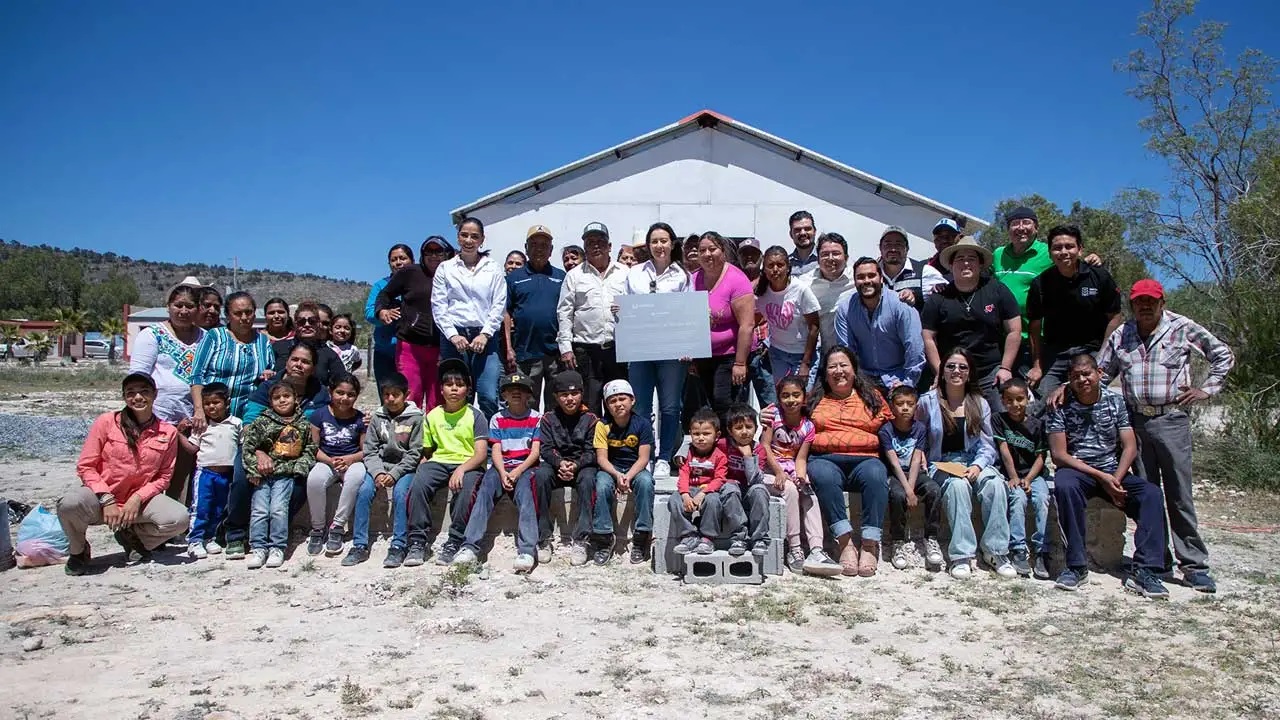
[(722, 123)]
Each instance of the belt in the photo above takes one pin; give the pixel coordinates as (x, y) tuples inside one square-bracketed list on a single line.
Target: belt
[(601, 346), (1152, 411)]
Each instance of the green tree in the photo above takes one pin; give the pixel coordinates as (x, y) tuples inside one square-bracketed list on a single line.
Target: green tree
[(112, 327), (40, 344), (68, 323), (9, 335), (106, 299)]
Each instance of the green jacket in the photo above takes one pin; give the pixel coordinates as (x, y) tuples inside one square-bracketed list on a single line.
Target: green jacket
[(287, 441)]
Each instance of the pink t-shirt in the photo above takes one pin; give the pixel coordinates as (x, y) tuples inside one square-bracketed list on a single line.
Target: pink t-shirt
[(724, 327)]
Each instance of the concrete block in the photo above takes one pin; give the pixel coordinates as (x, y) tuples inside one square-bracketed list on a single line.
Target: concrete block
[(772, 562), (721, 568)]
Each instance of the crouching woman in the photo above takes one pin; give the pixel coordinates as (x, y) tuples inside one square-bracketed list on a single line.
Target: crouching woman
[(125, 467)]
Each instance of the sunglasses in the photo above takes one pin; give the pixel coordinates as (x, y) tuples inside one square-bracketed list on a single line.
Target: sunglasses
[(956, 366), (307, 321)]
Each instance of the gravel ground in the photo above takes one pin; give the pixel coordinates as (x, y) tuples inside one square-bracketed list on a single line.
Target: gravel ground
[(44, 438)]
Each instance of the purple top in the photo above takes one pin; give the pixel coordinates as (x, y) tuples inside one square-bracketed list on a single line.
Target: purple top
[(724, 326)]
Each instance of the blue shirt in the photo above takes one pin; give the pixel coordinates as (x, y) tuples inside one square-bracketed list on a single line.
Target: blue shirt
[(384, 335), (222, 358), (531, 299), (888, 340)]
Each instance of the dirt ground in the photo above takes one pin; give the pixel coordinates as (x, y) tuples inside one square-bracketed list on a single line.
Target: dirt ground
[(210, 639)]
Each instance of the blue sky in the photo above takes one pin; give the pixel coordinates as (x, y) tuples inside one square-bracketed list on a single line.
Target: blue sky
[(310, 136)]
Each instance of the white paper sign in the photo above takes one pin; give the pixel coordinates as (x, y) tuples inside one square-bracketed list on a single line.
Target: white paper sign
[(662, 326)]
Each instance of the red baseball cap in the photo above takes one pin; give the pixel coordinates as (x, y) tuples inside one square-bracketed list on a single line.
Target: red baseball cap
[(1147, 288)]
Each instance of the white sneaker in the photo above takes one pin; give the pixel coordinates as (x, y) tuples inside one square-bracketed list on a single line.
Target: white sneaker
[(523, 563), (960, 570), (902, 555), (545, 552), (578, 554), (196, 551), (661, 469), (819, 563), (1000, 564), (275, 558), (257, 559), (466, 556), (212, 547), (932, 553)]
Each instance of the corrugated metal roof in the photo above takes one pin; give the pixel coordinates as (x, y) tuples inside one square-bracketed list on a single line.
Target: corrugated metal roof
[(723, 123)]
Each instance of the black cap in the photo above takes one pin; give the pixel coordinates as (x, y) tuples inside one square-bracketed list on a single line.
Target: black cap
[(454, 365), (516, 379), (567, 381), (138, 377), (1021, 213)]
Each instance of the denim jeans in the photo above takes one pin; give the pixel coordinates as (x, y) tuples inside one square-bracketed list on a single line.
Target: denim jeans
[(957, 502), (605, 499), (486, 367), (399, 511), (833, 474), (523, 495), (1018, 515), (783, 363), (760, 374), (430, 478), (667, 377), (269, 513)]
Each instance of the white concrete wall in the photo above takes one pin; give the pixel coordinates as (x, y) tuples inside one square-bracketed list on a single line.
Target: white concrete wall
[(707, 180)]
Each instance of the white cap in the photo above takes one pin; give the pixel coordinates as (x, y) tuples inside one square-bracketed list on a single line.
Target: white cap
[(618, 387)]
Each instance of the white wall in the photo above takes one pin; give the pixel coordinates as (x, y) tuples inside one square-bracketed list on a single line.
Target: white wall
[(707, 180)]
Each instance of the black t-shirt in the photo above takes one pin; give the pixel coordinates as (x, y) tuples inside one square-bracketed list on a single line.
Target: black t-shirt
[(1074, 310), (973, 321), (1026, 440)]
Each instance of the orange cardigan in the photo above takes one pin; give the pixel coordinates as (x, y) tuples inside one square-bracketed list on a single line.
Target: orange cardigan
[(108, 465), (847, 427)]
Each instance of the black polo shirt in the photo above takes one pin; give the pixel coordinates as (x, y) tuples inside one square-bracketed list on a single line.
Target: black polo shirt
[(1074, 311), (973, 321)]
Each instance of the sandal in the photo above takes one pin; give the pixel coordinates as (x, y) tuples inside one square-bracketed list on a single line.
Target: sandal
[(869, 559), (848, 557)]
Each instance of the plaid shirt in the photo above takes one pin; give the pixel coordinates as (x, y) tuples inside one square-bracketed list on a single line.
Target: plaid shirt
[(1154, 372)]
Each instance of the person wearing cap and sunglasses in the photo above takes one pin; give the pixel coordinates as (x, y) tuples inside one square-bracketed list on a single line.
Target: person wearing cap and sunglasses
[(529, 326), (912, 280), (585, 315), (406, 302), (308, 325), (1151, 354), (946, 232), (974, 312)]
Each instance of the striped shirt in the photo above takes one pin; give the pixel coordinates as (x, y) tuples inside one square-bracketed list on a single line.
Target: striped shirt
[(222, 358), (516, 435), (1153, 372)]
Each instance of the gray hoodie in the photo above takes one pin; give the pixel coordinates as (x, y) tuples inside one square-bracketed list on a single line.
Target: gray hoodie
[(393, 445)]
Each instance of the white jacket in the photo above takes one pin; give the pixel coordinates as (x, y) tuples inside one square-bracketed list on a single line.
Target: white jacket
[(463, 297)]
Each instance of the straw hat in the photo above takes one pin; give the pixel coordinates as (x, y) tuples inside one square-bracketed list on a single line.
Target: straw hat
[(966, 242)]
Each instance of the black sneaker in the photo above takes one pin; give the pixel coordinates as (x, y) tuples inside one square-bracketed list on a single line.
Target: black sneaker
[(760, 548), (315, 543), (687, 545), (78, 564), (416, 556), (447, 551), (1020, 560), (602, 554), (1200, 581), (395, 557), (795, 560), (640, 548), (1072, 578), (356, 555), (738, 548), (1040, 570), (333, 544), (1147, 584), (134, 551)]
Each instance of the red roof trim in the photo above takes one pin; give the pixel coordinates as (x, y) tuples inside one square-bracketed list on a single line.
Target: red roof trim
[(712, 113)]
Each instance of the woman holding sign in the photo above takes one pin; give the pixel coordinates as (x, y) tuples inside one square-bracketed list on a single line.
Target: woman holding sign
[(962, 460), (732, 306), (661, 273)]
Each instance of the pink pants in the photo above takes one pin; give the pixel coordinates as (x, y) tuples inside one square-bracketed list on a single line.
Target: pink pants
[(419, 364), (799, 503)]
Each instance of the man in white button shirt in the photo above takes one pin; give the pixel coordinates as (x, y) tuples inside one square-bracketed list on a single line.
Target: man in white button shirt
[(586, 317)]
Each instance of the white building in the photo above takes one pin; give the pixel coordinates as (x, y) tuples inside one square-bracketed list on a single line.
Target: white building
[(709, 172)]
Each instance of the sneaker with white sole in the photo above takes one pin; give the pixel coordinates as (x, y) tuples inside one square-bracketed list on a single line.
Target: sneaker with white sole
[(212, 547), (545, 551), (662, 469), (275, 558), (523, 563), (901, 555), (196, 551), (465, 556), (820, 563), (578, 554), (1000, 565), (961, 570), (256, 559), (932, 553), (687, 545)]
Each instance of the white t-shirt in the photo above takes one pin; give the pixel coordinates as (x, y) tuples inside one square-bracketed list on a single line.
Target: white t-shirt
[(169, 361), (219, 443), (785, 312)]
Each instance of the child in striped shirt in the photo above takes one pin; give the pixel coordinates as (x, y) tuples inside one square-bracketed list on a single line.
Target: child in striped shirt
[(515, 441)]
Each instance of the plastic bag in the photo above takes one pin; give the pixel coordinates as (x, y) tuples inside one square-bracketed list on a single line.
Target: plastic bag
[(40, 539)]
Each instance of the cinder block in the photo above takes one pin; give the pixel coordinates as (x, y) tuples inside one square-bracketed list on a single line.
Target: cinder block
[(666, 560), (772, 562), (721, 568)]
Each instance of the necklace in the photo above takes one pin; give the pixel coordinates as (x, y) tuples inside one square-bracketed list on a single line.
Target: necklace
[(967, 300)]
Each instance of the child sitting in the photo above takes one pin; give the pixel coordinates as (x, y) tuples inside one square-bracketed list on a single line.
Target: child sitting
[(215, 451), (746, 457), (568, 460), (277, 450), (1022, 444), (698, 487), (392, 446), (455, 439), (515, 444), (338, 431), (902, 445), (624, 444), (342, 340), (786, 442)]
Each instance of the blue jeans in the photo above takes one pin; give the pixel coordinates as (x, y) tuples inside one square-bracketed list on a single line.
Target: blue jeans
[(523, 495), (667, 376), (784, 363), (604, 500), (269, 513), (486, 367), (832, 475), (1018, 515), (208, 504), (760, 374), (958, 495), (399, 511)]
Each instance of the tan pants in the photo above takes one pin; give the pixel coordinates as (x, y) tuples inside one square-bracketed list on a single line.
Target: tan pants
[(160, 518)]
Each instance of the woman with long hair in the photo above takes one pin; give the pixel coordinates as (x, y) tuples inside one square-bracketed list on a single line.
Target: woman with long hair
[(469, 299), (124, 468), (405, 303), (732, 306), (958, 421), (209, 315), (384, 333), (279, 325), (791, 310)]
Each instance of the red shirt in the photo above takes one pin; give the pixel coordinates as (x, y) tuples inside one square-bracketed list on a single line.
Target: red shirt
[(107, 465), (705, 473), (847, 427)]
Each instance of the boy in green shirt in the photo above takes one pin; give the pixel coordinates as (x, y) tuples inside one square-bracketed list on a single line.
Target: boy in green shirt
[(455, 446)]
